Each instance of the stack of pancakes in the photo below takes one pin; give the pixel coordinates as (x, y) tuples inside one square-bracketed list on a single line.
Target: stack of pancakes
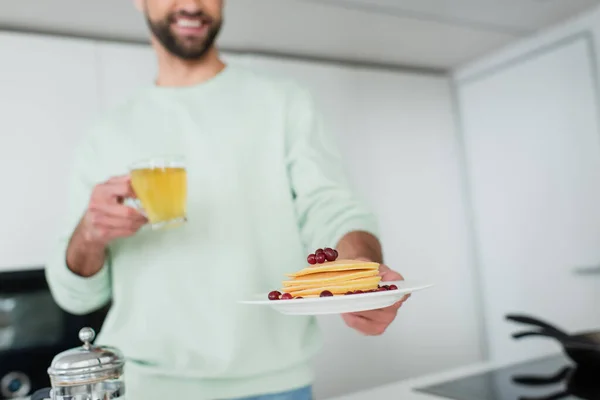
[(338, 277)]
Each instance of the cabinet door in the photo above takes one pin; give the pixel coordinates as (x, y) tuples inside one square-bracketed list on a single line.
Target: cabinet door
[(47, 98), (533, 152)]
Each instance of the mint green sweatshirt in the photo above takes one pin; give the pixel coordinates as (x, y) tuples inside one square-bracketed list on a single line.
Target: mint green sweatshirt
[(266, 186)]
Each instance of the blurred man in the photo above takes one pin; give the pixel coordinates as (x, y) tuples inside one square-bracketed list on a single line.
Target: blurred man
[(265, 187)]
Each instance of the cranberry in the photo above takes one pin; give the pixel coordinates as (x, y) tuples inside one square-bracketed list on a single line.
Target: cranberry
[(286, 296), (336, 253), (311, 259), (326, 293), (392, 287), (320, 257), (349, 293), (358, 292), (382, 289), (386, 287), (299, 297), (319, 251), (274, 295), (329, 254)]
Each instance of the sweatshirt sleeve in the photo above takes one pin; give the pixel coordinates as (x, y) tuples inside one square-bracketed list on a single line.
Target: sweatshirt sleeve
[(326, 206), (73, 293)]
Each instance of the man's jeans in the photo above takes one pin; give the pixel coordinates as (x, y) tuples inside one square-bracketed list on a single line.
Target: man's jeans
[(299, 394)]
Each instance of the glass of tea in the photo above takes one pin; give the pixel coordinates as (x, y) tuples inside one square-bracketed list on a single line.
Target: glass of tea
[(160, 185)]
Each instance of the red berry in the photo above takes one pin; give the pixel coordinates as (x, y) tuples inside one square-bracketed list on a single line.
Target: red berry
[(358, 291), (386, 287), (286, 296), (349, 293), (274, 295), (320, 257), (329, 254), (299, 297), (393, 287), (326, 293), (382, 289), (311, 259), (319, 251), (336, 253)]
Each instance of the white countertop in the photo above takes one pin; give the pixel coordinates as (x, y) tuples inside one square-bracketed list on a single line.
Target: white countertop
[(405, 389)]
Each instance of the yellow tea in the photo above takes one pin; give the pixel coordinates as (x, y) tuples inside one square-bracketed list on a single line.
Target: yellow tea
[(162, 192)]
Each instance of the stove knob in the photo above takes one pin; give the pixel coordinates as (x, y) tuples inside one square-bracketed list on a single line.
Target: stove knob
[(15, 384)]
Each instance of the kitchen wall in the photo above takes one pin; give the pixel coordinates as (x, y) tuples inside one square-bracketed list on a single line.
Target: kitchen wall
[(396, 129)]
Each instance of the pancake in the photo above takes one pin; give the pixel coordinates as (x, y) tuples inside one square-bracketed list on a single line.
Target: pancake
[(338, 277), (338, 265), (320, 278), (339, 288), (323, 286)]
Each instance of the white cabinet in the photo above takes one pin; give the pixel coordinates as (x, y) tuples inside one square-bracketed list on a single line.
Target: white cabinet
[(47, 96), (532, 142)]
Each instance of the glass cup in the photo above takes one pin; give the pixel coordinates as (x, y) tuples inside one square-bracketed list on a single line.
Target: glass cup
[(160, 185)]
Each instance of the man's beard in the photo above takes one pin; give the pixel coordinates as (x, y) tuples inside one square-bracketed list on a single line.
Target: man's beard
[(190, 48)]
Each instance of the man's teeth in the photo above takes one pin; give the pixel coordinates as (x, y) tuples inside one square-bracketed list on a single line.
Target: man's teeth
[(189, 23)]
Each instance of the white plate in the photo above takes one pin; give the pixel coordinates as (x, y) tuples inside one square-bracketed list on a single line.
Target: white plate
[(339, 304)]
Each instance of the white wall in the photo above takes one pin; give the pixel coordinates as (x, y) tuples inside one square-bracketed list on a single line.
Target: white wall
[(48, 92), (397, 130)]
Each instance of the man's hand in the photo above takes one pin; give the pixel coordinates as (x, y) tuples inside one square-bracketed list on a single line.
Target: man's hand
[(106, 219), (375, 322)]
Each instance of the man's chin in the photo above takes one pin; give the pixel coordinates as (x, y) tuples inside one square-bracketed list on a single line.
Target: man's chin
[(190, 54)]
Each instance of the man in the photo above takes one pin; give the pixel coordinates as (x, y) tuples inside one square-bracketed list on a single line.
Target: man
[(265, 188)]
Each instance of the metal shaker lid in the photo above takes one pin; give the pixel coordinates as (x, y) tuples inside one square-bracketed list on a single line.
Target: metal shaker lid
[(86, 364)]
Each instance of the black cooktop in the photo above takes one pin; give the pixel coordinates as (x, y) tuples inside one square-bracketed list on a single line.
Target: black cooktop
[(552, 378)]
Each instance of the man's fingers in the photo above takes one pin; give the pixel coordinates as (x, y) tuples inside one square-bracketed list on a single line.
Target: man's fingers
[(107, 221), (106, 227), (364, 325), (108, 234), (371, 315), (384, 315), (119, 187), (118, 211), (396, 306), (389, 275), (120, 190)]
